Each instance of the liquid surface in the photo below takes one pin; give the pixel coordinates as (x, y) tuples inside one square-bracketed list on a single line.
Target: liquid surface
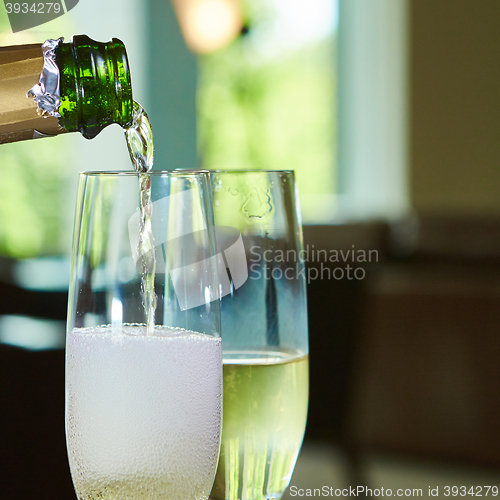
[(140, 144), (143, 413), (265, 410)]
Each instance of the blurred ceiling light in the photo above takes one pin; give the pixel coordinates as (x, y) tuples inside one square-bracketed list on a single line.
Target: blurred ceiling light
[(208, 25)]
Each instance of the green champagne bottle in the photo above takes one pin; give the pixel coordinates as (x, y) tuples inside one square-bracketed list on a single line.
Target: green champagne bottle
[(80, 86)]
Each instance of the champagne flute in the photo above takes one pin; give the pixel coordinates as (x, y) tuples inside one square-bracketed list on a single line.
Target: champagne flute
[(264, 332), (143, 405)]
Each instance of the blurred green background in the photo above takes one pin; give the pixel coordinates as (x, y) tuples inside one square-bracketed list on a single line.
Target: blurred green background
[(33, 180), (265, 101)]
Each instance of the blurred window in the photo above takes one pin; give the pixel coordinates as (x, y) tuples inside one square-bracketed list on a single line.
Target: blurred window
[(373, 109), (268, 100)]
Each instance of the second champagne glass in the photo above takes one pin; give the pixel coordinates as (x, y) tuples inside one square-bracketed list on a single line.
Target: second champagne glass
[(264, 332), (143, 405)]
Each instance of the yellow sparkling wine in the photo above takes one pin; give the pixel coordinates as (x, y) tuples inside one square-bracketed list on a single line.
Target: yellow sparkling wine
[(264, 418)]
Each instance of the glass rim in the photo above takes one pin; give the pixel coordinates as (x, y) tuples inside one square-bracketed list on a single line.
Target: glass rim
[(181, 172), (257, 171), (133, 173)]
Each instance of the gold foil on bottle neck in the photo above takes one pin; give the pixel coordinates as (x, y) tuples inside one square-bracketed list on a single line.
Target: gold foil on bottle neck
[(20, 69)]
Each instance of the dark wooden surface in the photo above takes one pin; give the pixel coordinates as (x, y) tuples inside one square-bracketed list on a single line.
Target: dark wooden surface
[(34, 463)]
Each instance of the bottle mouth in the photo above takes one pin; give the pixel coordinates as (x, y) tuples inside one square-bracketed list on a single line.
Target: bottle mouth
[(123, 84)]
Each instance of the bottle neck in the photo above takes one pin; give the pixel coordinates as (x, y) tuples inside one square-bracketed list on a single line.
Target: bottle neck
[(95, 85), (95, 89)]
